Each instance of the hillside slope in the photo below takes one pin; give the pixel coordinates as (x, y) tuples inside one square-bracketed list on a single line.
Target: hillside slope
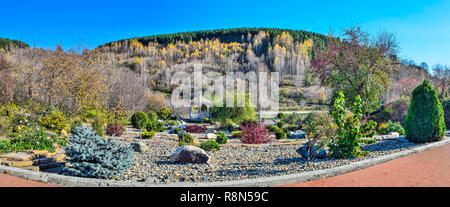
[(7, 44), (288, 52), (240, 35)]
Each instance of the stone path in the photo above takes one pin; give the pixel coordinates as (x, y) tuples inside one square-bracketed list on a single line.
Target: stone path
[(36, 160), (429, 168)]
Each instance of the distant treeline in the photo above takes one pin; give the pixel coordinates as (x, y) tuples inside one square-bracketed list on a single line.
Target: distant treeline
[(231, 35), (7, 44)]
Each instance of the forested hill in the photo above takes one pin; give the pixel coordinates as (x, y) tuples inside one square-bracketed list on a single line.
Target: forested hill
[(7, 44), (240, 35)]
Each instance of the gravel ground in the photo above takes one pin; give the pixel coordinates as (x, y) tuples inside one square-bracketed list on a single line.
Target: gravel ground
[(239, 162)]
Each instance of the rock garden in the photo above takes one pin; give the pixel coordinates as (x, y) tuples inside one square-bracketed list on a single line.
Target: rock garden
[(158, 147)]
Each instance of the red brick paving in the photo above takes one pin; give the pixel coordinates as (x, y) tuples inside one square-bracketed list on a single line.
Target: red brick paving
[(428, 168), (11, 181)]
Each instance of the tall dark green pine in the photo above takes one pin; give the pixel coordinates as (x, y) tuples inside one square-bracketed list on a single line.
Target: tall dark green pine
[(425, 119)]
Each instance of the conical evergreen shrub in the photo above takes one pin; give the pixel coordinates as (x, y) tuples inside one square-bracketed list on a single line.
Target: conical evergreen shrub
[(425, 119)]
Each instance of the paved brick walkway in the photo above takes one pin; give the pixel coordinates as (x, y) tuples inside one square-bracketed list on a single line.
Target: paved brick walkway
[(11, 181), (427, 168)]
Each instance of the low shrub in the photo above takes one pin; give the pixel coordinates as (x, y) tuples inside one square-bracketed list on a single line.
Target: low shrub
[(280, 134), (253, 133), (156, 101), (177, 130), (195, 128), (228, 124), (120, 115), (18, 128), (173, 123), (115, 129), (320, 130), (54, 121), (152, 116), (139, 120), (91, 113), (148, 135), (30, 138), (281, 115), (293, 119), (92, 156), (164, 113), (236, 134), (9, 109), (76, 121), (280, 124), (221, 137), (291, 128), (6, 146), (21, 119), (210, 145), (98, 124), (386, 128), (273, 128), (185, 139), (381, 128), (156, 126), (61, 141), (36, 140)]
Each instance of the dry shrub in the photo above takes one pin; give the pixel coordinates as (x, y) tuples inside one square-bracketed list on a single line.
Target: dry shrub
[(7, 80), (127, 90), (75, 82), (65, 81), (156, 101)]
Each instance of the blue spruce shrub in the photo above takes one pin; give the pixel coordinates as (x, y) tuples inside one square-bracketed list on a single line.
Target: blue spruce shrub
[(92, 156)]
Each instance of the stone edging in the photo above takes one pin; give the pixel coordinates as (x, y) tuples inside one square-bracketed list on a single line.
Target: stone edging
[(70, 181)]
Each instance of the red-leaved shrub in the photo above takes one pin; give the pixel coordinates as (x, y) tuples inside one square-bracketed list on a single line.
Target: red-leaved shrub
[(195, 128), (114, 129), (253, 133)]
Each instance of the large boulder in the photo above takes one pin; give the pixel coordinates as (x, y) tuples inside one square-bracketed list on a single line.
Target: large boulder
[(394, 134), (195, 141), (211, 136), (322, 153), (189, 154)]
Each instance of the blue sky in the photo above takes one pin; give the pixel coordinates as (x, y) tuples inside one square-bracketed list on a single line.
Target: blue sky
[(422, 27)]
